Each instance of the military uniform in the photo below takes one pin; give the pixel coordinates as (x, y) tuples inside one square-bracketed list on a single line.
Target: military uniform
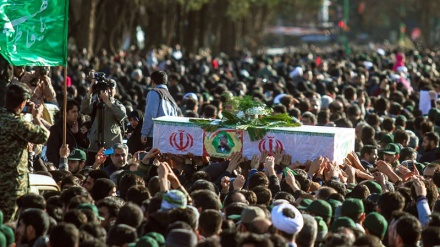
[(14, 177)]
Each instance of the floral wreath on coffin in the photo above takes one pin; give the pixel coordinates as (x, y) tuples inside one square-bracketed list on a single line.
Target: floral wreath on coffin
[(245, 113)]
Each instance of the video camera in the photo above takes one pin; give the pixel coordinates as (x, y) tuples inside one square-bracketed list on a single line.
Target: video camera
[(102, 83)]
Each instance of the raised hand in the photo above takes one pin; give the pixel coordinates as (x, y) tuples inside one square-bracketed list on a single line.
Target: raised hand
[(64, 151), (239, 182), (351, 174), (156, 162), (295, 165), (290, 180), (363, 175), (315, 166), (174, 180), (383, 167), (151, 154), (99, 158), (342, 176), (37, 110), (403, 171), (332, 171), (136, 155), (255, 162), (278, 155), (285, 161), (386, 169), (263, 156), (234, 161), (379, 177), (419, 187), (269, 164), (162, 170), (355, 161)]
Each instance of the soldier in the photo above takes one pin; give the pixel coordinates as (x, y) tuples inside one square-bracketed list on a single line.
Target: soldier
[(16, 133)]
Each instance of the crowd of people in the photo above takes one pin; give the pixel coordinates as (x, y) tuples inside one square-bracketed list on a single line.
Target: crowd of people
[(117, 189)]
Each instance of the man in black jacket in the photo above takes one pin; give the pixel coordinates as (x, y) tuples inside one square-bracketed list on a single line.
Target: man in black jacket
[(74, 137)]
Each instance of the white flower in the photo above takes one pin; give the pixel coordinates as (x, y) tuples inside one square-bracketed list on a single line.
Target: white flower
[(240, 114), (259, 110)]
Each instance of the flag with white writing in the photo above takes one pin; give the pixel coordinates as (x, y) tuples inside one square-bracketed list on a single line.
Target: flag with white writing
[(34, 32)]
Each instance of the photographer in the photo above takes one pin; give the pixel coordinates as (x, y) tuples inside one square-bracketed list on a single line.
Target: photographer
[(101, 94), (38, 82), (16, 135)]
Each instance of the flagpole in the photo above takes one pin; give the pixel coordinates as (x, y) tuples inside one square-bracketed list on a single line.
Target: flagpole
[(65, 106), (66, 36)]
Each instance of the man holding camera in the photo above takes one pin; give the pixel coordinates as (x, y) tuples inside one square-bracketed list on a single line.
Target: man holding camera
[(38, 82), (118, 159), (16, 134), (101, 93)]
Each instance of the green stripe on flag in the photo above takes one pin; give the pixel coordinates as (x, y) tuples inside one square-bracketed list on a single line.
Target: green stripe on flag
[(34, 32)]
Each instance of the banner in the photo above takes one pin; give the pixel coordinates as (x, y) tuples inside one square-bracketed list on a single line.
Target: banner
[(222, 143), (179, 136), (34, 32)]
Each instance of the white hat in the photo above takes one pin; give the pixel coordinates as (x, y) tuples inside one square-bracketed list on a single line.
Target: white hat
[(326, 101), (402, 69), (244, 73), (298, 71), (395, 77), (285, 223), (368, 64), (277, 99), (191, 95), (381, 52)]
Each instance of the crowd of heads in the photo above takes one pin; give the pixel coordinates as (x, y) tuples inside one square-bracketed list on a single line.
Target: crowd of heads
[(384, 193)]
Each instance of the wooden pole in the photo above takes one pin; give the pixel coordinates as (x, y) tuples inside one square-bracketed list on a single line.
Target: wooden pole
[(65, 106)]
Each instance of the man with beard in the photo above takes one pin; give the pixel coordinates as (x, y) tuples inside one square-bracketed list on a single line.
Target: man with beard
[(429, 144), (32, 226), (92, 177), (391, 154), (76, 161), (404, 231), (368, 156)]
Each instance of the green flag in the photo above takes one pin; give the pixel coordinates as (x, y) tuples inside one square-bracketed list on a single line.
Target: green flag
[(34, 32)]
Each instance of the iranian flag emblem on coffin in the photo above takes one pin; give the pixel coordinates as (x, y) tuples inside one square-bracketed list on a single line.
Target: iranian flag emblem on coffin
[(180, 136)]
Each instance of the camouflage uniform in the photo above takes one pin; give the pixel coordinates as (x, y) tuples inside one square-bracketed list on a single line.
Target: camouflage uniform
[(15, 134)]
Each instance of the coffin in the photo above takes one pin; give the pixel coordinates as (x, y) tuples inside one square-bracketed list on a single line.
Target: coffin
[(178, 135)]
